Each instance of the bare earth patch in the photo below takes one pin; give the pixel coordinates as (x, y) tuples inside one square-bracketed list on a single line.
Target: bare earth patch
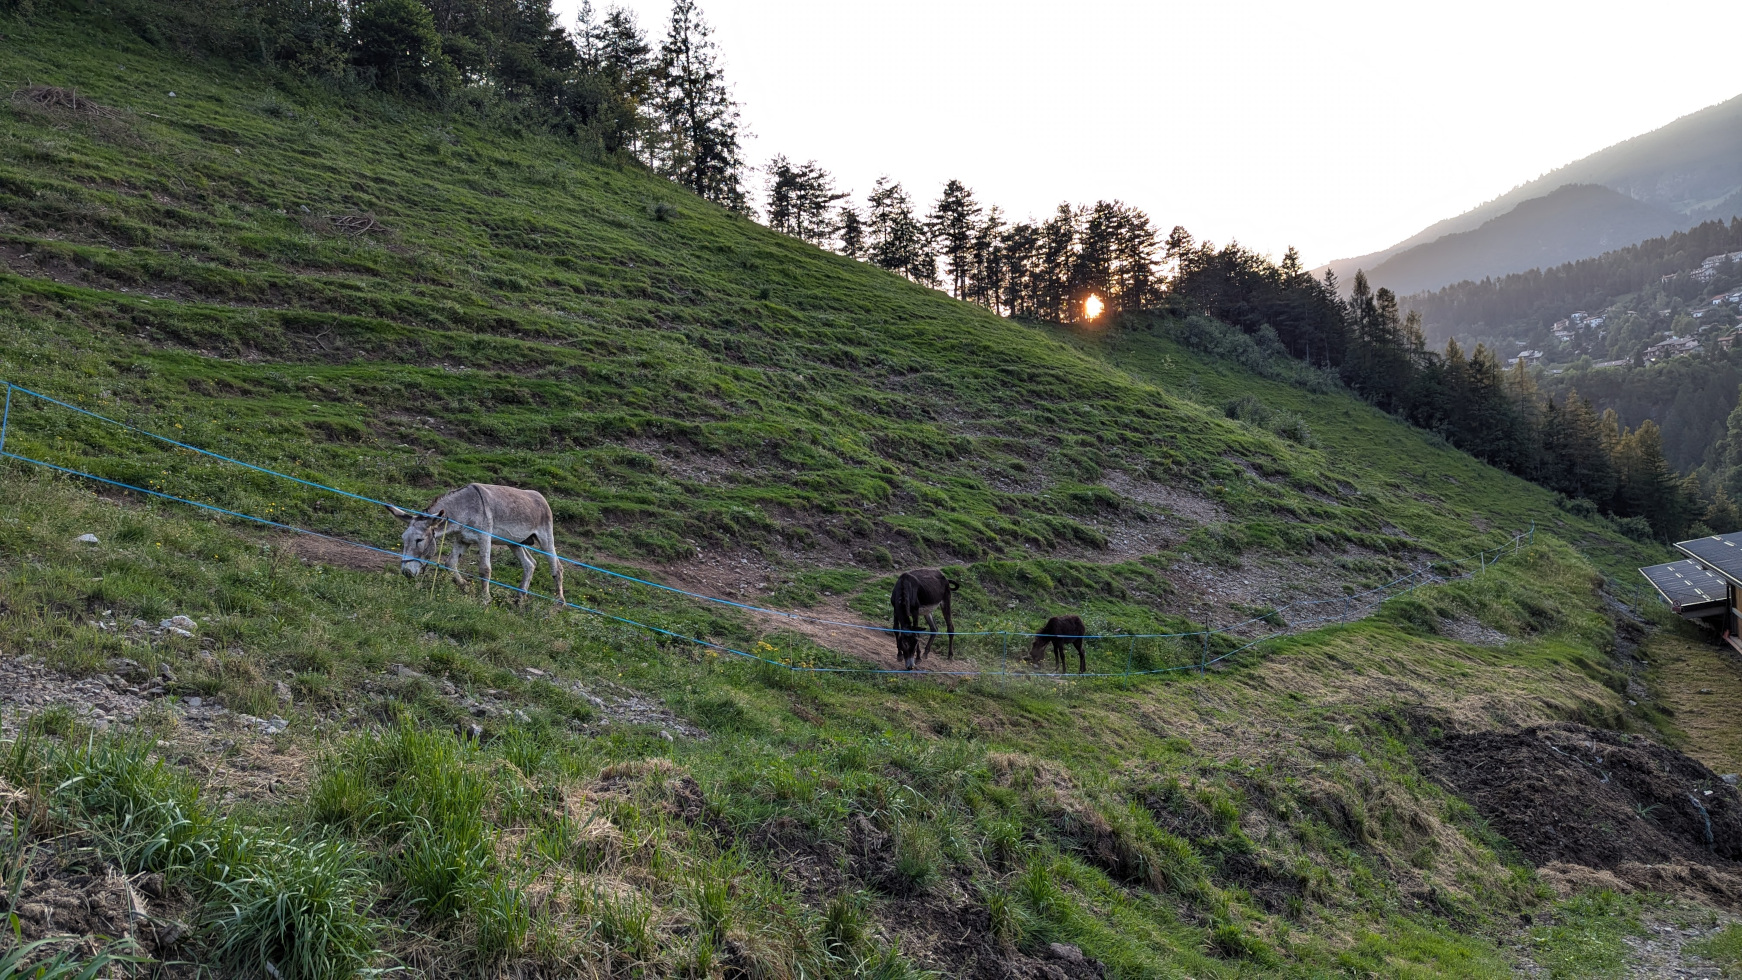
[(1597, 808), (1467, 630)]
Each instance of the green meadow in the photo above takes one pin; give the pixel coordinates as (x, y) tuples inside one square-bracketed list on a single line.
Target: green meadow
[(393, 301)]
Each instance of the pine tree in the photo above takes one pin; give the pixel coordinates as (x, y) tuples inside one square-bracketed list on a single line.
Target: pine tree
[(618, 50), (1057, 265), (852, 233), (988, 270), (1022, 273), (1645, 486), (700, 120), (1728, 454), (396, 42), (815, 202), (1097, 250), (951, 224), (897, 240), (781, 212), (1178, 249), (1135, 260), (800, 199)]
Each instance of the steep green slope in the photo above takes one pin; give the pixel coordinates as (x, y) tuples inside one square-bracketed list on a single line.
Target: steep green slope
[(528, 318), (463, 302)]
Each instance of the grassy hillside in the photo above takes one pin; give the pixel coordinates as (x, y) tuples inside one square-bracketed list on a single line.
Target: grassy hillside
[(395, 301)]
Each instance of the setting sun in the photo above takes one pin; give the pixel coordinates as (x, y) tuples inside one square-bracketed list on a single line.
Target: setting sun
[(1092, 307)]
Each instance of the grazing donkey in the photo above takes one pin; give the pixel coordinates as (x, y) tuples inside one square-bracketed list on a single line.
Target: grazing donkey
[(918, 593), (481, 515), (1059, 631)]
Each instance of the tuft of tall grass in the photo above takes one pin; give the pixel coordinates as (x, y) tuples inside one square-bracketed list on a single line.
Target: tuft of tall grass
[(918, 859), (23, 962), (149, 816), (300, 906), (501, 916), (298, 911), (443, 873)]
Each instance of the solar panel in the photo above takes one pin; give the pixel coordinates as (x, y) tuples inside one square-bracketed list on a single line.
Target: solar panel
[(1685, 584), (1722, 553)]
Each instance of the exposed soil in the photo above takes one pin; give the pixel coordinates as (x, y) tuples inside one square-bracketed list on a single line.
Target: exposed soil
[(1467, 630), (1591, 807), (66, 890), (339, 554)]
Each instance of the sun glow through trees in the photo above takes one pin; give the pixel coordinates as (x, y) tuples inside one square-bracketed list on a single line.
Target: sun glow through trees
[(1092, 307)]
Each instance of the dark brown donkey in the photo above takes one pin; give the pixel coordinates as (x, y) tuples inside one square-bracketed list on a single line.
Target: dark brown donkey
[(918, 593), (1059, 631)]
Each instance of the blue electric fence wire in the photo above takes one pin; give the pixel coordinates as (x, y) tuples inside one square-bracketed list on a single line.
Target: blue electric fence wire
[(619, 575), (605, 571), (5, 420)]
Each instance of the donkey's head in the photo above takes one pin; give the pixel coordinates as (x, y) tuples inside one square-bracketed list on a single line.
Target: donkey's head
[(417, 545), (907, 646), (1037, 649)]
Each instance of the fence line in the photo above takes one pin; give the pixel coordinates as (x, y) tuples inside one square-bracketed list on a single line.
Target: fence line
[(1416, 578)]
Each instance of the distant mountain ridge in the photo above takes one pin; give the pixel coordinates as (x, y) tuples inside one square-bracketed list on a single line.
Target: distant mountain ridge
[(1567, 224), (1689, 170)]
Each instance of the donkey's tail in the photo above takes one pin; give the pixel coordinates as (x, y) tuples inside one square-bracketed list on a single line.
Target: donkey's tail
[(954, 586)]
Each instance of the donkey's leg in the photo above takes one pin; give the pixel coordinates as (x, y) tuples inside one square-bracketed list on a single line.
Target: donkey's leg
[(485, 570), (931, 626), (547, 542), (528, 565), (949, 623), (459, 553), (1082, 658)]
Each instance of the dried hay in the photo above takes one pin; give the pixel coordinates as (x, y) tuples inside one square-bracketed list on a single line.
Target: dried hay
[(350, 223), (51, 100), (1020, 770)]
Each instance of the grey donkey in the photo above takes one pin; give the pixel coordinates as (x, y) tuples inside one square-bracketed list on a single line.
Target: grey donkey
[(481, 515), (915, 595)]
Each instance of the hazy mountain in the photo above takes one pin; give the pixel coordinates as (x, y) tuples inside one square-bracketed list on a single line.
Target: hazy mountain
[(1690, 169), (1574, 222)]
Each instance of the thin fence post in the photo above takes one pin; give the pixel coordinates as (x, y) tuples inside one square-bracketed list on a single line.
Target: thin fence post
[(1204, 657), (1130, 652), (1005, 670), (6, 417)]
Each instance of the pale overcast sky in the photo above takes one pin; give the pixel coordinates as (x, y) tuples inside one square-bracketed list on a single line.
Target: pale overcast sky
[(1340, 128)]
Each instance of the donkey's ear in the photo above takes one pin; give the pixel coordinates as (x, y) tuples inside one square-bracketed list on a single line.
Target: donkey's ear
[(396, 512)]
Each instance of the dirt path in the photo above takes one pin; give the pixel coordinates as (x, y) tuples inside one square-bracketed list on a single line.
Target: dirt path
[(1663, 950), (1663, 953)]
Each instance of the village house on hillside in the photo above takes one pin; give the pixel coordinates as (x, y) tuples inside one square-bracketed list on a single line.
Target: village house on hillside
[(1663, 350), (1708, 269)]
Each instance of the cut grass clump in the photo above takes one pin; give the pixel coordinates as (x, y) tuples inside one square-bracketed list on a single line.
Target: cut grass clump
[(277, 903)]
